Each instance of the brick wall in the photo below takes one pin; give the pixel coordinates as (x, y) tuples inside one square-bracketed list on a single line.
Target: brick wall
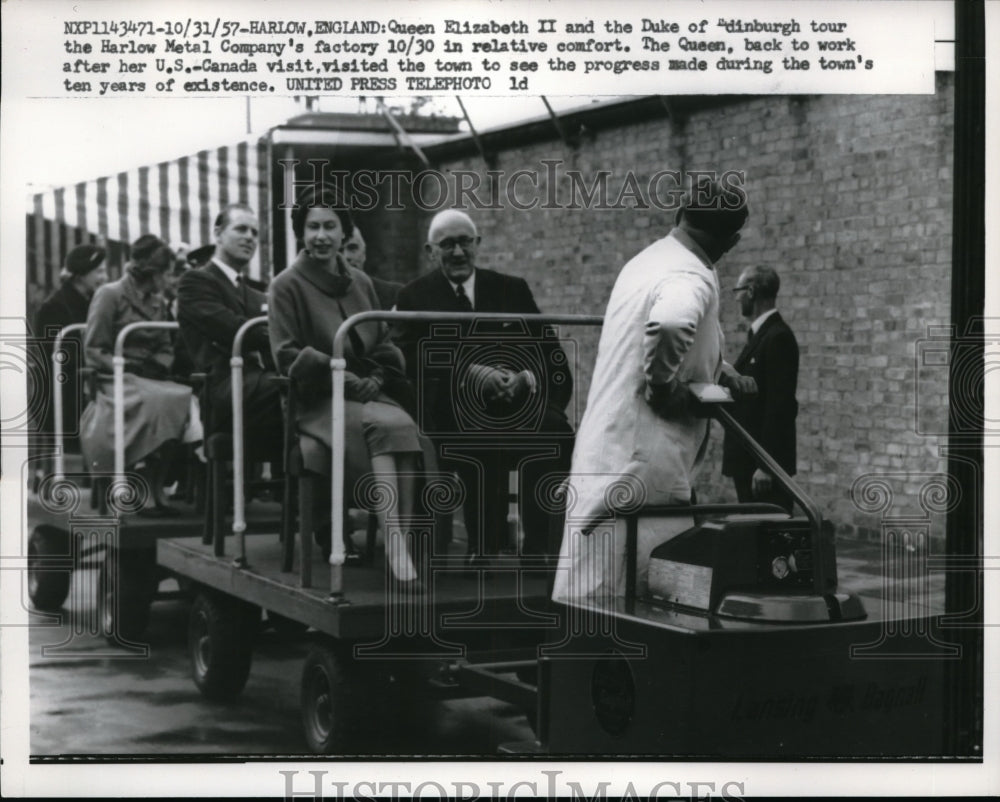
[(850, 200)]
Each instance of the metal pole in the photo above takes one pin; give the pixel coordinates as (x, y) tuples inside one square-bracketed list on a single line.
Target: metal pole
[(239, 505), (118, 368), (57, 395), (808, 505), (338, 365)]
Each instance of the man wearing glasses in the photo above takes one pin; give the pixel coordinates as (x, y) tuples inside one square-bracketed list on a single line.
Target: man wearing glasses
[(771, 358), (492, 394)]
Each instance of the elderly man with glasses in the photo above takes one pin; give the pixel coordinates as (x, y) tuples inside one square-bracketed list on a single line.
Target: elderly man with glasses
[(771, 359), (492, 395)]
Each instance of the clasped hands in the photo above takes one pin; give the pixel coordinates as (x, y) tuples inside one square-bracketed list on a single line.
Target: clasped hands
[(367, 388), (501, 384)]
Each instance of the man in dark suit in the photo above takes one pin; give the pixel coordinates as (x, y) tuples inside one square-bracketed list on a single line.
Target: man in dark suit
[(354, 252), (771, 359), (491, 396), (213, 301)]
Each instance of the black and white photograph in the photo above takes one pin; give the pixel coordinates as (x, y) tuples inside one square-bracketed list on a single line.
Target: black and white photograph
[(498, 400)]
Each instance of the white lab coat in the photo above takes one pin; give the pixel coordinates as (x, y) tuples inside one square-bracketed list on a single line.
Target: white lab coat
[(662, 323)]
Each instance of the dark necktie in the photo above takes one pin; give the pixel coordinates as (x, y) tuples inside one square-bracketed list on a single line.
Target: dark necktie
[(464, 304), (746, 347)]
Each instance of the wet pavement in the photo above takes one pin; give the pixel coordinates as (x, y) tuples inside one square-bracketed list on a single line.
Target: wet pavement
[(90, 698)]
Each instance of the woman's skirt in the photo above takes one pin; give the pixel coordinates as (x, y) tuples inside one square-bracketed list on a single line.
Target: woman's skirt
[(155, 412), (371, 429)]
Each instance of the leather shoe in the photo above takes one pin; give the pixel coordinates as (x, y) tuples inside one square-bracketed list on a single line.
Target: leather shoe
[(352, 554)]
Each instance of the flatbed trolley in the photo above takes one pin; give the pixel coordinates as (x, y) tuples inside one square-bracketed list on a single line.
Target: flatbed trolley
[(371, 642), (80, 520)]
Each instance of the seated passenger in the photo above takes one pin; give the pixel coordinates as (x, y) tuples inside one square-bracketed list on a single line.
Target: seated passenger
[(306, 304), (158, 412), (213, 302), (84, 272)]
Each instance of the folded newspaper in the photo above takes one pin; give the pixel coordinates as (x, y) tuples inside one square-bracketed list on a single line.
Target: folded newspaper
[(710, 393)]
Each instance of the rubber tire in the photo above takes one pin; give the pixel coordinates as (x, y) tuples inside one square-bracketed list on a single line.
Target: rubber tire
[(221, 632), (332, 701), (47, 589), (124, 605)]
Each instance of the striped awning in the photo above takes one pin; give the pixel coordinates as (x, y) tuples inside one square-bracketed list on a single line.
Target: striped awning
[(176, 200)]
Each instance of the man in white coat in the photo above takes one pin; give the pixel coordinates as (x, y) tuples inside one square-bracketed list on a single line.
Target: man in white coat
[(639, 441)]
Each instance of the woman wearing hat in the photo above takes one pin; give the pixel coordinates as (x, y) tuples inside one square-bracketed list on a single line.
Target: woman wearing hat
[(82, 274), (158, 412), (306, 304)]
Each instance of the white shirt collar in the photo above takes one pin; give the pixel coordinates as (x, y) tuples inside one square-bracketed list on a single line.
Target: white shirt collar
[(231, 274), (755, 326), (470, 288)]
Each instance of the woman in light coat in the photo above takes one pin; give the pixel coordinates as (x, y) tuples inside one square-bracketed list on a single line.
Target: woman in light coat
[(158, 411), (306, 304)]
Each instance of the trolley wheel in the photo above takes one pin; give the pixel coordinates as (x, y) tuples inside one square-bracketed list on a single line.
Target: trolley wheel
[(284, 625), (332, 704), (220, 640), (126, 585), (47, 588)]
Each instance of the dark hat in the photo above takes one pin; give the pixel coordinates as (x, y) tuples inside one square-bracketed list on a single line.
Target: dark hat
[(322, 197), (200, 256), (716, 209), (146, 246), (84, 258)]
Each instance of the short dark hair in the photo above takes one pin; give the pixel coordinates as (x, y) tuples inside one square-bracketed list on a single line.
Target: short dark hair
[(716, 210), (324, 199), (765, 282), (222, 219)]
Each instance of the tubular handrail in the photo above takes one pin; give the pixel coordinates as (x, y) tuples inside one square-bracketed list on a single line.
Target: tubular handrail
[(338, 365), (118, 367), (809, 506), (239, 500), (57, 394)]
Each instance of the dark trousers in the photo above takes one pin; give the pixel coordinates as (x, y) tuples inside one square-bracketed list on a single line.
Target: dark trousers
[(483, 465), (263, 419), (743, 482)]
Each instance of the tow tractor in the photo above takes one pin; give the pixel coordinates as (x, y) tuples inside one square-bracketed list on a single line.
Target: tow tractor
[(740, 645)]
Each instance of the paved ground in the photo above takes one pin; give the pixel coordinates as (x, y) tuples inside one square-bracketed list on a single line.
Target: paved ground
[(97, 701)]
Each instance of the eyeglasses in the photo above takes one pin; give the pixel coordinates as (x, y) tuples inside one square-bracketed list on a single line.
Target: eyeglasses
[(740, 289), (449, 243)]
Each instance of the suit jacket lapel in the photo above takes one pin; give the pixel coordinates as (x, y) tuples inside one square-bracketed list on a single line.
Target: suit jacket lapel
[(448, 300), (487, 294), (754, 342), (236, 297), (741, 360)]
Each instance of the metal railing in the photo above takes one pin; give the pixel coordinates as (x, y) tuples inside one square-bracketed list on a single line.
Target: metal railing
[(239, 499), (118, 391), (338, 365), (812, 511), (57, 395)]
